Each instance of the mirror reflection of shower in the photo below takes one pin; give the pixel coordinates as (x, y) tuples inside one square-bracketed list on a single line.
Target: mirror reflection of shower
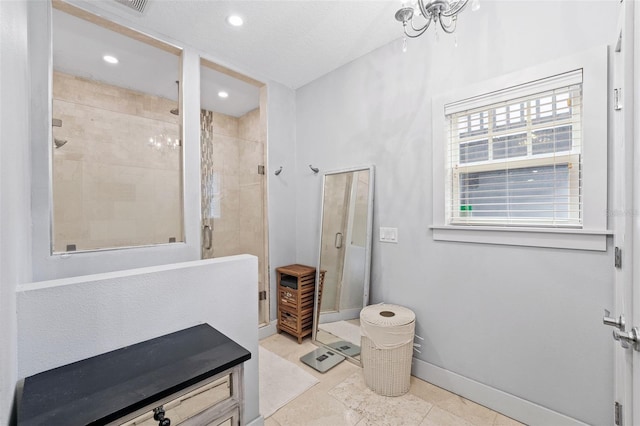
[(344, 258)]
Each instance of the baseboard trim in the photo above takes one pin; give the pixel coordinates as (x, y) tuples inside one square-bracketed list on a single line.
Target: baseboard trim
[(510, 405), (267, 330), (258, 421)]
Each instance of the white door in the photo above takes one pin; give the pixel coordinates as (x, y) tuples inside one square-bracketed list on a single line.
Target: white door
[(634, 116), (625, 221)]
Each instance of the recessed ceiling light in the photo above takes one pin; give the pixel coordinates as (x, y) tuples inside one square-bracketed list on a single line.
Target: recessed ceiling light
[(235, 20), (223, 94), (110, 59)]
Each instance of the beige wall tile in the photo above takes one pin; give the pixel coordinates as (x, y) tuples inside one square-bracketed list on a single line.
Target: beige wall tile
[(109, 182), (251, 155), (225, 125), (249, 126), (232, 186)]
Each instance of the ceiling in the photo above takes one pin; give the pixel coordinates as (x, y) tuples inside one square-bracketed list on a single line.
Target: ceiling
[(78, 48), (292, 42)]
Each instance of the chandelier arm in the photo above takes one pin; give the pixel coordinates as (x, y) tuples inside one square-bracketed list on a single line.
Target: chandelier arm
[(425, 13), (455, 9), (417, 34), (451, 27), (422, 28)]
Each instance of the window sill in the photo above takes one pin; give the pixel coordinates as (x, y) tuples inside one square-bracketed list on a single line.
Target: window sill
[(575, 239)]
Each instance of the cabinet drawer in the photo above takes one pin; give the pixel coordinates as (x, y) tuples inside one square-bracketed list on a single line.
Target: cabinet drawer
[(189, 405), (288, 319), (288, 297)]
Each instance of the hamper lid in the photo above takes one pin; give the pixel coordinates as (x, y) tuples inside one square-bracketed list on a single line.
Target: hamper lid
[(387, 315), (387, 326)]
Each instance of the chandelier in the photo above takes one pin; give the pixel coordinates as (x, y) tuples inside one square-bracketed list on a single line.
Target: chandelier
[(416, 19)]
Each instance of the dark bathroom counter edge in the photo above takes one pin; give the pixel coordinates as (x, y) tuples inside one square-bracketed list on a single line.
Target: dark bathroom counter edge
[(106, 387)]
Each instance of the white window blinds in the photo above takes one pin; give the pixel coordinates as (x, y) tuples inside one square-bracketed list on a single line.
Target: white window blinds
[(514, 156)]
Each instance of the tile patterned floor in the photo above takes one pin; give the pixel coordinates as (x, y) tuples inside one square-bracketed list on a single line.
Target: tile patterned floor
[(342, 398)]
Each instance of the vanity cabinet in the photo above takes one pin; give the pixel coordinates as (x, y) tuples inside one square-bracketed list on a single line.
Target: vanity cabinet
[(191, 377), (296, 295)]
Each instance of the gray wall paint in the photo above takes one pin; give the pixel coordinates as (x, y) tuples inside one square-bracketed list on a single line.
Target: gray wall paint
[(282, 188), (15, 237), (526, 321)]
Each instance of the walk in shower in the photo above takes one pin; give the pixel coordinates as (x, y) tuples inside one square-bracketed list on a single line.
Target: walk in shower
[(233, 147), (116, 147)]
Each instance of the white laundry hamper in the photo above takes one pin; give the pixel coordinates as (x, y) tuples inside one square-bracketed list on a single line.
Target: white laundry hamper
[(387, 348)]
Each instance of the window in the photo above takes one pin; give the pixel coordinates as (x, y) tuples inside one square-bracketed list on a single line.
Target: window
[(517, 161), (521, 159)]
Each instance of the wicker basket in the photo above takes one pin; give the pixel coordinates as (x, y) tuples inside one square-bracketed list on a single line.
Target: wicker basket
[(386, 371), (387, 348)]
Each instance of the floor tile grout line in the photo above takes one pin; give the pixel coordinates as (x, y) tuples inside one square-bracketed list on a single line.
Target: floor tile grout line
[(466, 414), (430, 408)]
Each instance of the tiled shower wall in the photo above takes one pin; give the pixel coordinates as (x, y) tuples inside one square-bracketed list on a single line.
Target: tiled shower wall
[(233, 191), (110, 187)]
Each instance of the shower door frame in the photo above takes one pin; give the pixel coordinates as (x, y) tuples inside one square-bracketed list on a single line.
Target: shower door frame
[(207, 235)]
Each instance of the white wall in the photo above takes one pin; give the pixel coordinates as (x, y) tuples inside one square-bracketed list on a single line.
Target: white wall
[(281, 189), (525, 321), (70, 319), (15, 235)]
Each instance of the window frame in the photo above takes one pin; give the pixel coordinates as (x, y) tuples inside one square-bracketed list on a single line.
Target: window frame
[(529, 127), (592, 235)]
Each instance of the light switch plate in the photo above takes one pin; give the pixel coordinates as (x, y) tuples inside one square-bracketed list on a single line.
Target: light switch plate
[(388, 235)]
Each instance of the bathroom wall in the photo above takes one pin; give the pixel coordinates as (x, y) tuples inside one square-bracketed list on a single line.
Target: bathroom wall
[(234, 192), (67, 320), (111, 187), (523, 321), (15, 181), (282, 206)]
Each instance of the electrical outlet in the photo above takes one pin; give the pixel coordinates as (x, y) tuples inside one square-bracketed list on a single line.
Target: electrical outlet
[(388, 235)]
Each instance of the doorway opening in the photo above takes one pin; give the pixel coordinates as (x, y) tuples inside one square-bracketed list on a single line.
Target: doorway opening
[(233, 180)]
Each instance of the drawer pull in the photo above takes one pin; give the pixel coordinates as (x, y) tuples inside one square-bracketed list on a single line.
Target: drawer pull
[(158, 415)]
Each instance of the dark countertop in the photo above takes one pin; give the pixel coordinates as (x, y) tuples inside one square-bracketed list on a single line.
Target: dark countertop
[(106, 387)]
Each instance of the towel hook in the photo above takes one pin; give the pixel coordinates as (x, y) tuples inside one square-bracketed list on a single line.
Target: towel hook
[(314, 169), (277, 172)]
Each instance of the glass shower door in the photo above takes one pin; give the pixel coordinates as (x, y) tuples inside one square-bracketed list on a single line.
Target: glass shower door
[(233, 192)]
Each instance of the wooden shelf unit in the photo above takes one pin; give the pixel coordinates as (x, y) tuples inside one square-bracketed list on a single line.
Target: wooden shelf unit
[(295, 305)]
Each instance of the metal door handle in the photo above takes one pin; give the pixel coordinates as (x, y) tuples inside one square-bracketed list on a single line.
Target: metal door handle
[(207, 236), (613, 322), (338, 242), (627, 339)]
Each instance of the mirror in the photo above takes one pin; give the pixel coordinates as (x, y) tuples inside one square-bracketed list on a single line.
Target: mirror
[(344, 266)]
